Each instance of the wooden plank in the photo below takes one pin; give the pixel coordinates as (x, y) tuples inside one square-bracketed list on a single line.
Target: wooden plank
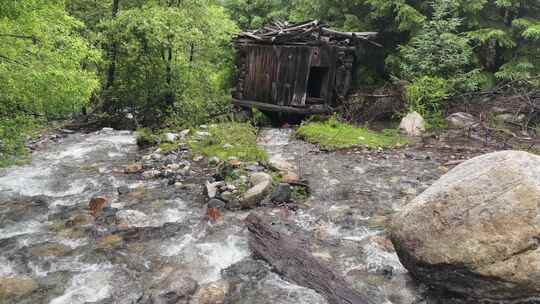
[(285, 109), (294, 261), (301, 74)]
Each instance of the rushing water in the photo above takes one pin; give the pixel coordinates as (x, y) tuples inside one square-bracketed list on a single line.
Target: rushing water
[(58, 254)]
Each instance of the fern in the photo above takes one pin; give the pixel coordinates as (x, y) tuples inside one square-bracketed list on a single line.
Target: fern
[(529, 28), (486, 35), (516, 70), (408, 17)]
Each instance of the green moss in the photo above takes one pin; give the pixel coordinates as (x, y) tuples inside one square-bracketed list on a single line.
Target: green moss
[(230, 140), (169, 147), (299, 194), (146, 138), (333, 134)]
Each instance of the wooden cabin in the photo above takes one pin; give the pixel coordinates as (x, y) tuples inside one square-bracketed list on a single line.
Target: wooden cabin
[(299, 69)]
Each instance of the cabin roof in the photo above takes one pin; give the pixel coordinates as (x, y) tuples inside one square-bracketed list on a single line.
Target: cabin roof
[(306, 33)]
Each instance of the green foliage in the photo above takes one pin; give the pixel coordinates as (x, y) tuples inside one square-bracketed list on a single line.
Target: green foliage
[(174, 61), (427, 96), (230, 140), (146, 138), (437, 50), (41, 68), (333, 134), (492, 35), (257, 13), (13, 132)]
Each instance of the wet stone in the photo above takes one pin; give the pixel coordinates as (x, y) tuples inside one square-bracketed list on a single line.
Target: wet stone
[(173, 288), (216, 204), (50, 250), (227, 196), (12, 288), (96, 205), (123, 190), (282, 193), (213, 293)]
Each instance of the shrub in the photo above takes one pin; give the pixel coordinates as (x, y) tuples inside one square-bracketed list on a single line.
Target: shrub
[(427, 96)]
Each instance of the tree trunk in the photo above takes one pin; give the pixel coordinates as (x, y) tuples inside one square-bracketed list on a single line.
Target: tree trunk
[(293, 261), (113, 50)]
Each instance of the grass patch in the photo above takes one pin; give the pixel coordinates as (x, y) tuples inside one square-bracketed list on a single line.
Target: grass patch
[(230, 140), (146, 138), (333, 134)]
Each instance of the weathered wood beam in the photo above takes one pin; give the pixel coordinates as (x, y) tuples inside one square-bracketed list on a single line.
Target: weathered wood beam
[(293, 261), (277, 108)]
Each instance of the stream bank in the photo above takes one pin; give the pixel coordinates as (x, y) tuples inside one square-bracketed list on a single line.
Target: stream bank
[(155, 244)]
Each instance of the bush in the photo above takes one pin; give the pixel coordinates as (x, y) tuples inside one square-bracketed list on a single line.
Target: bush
[(13, 133), (427, 96)]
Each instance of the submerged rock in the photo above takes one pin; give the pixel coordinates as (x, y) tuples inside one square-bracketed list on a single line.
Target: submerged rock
[(131, 218), (475, 231), (96, 205), (213, 293), (12, 288), (413, 124), (175, 288), (216, 204), (134, 168)]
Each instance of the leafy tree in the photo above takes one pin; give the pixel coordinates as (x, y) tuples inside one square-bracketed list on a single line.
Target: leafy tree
[(173, 61), (41, 74), (253, 14)]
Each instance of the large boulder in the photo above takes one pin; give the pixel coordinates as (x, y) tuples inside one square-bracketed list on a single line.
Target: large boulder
[(476, 231), (413, 124)]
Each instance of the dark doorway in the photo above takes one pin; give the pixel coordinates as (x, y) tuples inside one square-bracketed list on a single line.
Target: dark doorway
[(317, 82)]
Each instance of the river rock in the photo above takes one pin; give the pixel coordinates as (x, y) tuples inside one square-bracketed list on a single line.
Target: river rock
[(150, 174), (507, 117), (14, 287), (461, 120), (413, 124), (282, 193), (259, 178), (80, 220), (262, 186), (170, 137), (96, 205), (176, 288), (212, 189), (216, 204), (109, 242), (214, 160), (213, 293), (475, 232), (49, 250), (123, 190), (227, 196), (291, 178), (131, 218)]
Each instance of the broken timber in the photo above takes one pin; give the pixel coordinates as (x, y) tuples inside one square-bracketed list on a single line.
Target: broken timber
[(303, 68), (294, 262)]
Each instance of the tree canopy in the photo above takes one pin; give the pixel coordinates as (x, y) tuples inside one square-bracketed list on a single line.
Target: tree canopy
[(172, 61)]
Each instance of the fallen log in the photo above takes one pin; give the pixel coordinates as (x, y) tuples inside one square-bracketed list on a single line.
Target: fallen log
[(294, 262)]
